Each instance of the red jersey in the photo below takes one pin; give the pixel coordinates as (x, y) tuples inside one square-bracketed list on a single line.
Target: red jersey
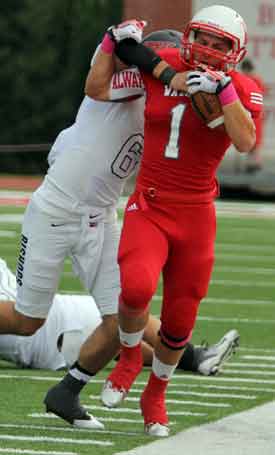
[(181, 154), (259, 121), (259, 82)]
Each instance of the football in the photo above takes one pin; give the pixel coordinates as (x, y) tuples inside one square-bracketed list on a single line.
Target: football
[(208, 108)]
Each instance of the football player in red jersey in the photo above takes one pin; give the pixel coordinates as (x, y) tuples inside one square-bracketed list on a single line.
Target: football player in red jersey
[(170, 224)]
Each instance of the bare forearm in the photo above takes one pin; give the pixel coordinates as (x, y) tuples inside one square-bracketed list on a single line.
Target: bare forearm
[(239, 126), (100, 75), (178, 81)]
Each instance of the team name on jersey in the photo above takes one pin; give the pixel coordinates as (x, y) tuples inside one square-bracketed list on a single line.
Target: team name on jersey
[(127, 79), (171, 92)]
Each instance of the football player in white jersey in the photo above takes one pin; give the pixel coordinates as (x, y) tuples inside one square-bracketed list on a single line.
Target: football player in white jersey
[(72, 318), (73, 213)]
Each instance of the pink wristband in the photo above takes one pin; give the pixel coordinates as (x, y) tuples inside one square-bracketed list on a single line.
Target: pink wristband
[(228, 95), (107, 44)]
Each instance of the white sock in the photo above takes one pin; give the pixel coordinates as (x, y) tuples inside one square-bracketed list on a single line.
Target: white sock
[(162, 370), (81, 375), (130, 340)]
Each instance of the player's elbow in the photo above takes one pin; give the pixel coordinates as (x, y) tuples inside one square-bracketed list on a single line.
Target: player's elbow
[(246, 142), (94, 92)]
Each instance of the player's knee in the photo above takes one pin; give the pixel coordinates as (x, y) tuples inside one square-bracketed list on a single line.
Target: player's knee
[(137, 287), (177, 331), (175, 340), (25, 325)]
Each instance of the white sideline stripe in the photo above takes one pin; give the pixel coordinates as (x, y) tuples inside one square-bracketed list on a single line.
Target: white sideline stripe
[(257, 284), (8, 234), (36, 415), (255, 270), (261, 283), (62, 429), (248, 372), (237, 320), (237, 257), (238, 301), (249, 432), (170, 400), (272, 351), (248, 229), (258, 271), (206, 300), (221, 379), (182, 377), (226, 301), (11, 218), (204, 394), (258, 357), (248, 364), (75, 441), (15, 194), (224, 387), (34, 452), (122, 420), (241, 247), (33, 378), (137, 411)]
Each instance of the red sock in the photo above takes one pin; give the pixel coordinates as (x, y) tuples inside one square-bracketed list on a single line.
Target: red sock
[(133, 355), (152, 401), (127, 368), (156, 386)]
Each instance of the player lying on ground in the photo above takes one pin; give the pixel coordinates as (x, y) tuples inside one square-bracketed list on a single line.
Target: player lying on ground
[(72, 318)]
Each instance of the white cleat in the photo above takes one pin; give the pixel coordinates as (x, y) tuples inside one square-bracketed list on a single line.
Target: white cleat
[(7, 282), (112, 397), (91, 424), (157, 430), (211, 358)]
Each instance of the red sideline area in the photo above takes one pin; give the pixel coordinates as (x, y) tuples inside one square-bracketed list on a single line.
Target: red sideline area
[(20, 183), (17, 183)]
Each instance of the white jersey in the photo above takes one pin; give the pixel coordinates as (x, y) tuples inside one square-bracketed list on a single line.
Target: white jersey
[(68, 313), (90, 161)]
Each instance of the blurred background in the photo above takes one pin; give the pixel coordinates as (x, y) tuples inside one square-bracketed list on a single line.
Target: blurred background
[(45, 55)]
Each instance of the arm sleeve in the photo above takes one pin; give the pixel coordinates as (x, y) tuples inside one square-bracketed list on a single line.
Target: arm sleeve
[(133, 53)]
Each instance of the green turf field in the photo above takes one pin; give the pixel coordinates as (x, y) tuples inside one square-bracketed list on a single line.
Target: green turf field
[(241, 296)]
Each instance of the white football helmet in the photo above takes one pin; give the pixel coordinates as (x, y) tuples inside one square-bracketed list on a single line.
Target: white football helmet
[(220, 21)]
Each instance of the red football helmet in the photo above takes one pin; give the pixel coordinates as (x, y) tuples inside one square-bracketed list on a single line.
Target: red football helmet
[(222, 22)]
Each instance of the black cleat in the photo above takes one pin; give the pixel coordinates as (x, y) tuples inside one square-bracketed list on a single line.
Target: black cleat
[(62, 402)]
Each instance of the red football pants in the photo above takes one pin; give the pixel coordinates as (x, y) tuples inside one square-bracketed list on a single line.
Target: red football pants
[(177, 241)]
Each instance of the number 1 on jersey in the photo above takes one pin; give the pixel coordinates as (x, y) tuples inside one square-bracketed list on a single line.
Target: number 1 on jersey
[(172, 148)]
